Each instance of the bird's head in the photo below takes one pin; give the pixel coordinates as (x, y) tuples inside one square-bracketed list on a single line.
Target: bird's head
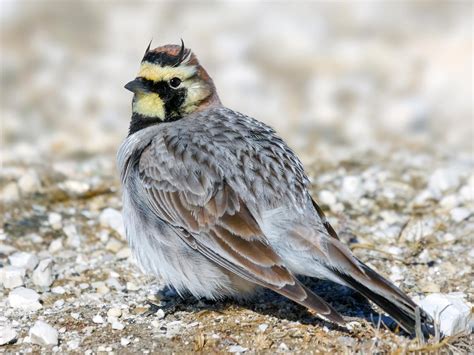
[(170, 84)]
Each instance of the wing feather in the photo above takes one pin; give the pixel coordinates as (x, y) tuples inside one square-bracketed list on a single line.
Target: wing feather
[(211, 218)]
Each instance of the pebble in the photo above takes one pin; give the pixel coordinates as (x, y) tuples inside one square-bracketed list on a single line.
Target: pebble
[(58, 290), (43, 274), (418, 229), (117, 326), (8, 335), (124, 341), (75, 315), (430, 287), (74, 188), (59, 303), (347, 341), (459, 214), (55, 220), (160, 314), (132, 286), (112, 219), (101, 287), (43, 334), (327, 198), (262, 327), (25, 299), (73, 344), (98, 319), (23, 259), (55, 246), (397, 275), (12, 277), (114, 245), (73, 238), (351, 189), (6, 249), (114, 312), (443, 180), (453, 313), (114, 283), (10, 192), (124, 253), (424, 256), (29, 182), (237, 349), (448, 237)]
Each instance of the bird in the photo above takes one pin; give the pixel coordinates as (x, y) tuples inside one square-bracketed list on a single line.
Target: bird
[(217, 205)]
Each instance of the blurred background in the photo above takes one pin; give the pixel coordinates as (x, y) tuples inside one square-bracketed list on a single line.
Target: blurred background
[(375, 97), (359, 74)]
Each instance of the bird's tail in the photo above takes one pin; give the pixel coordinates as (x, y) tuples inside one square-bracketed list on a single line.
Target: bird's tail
[(358, 276)]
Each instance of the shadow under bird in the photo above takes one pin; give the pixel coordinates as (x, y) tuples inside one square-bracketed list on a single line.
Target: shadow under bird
[(216, 204)]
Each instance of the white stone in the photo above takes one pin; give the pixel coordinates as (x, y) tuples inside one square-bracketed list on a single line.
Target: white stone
[(55, 246), (396, 275), (262, 327), (283, 347), (10, 192), (114, 312), (43, 334), (114, 245), (75, 315), (327, 197), (11, 276), (443, 180), (74, 188), (124, 341), (58, 290), (418, 229), (424, 256), (459, 214), (29, 182), (6, 249), (117, 326), (131, 286), (98, 319), (111, 218), (73, 238), (351, 189), (73, 344), (25, 299), (452, 312), (448, 237), (43, 274), (7, 335), (160, 314), (59, 303), (55, 220), (23, 260), (237, 349), (124, 253)]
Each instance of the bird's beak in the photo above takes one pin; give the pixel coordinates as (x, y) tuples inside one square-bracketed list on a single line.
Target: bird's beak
[(136, 85)]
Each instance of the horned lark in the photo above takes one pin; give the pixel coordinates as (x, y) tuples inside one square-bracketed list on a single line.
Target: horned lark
[(215, 203)]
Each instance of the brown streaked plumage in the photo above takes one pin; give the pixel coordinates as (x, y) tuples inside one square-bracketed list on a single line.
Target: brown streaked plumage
[(215, 203)]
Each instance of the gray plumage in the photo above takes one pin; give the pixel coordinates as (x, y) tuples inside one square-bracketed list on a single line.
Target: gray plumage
[(215, 204)]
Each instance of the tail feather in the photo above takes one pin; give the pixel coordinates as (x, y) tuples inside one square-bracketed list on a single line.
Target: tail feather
[(388, 297)]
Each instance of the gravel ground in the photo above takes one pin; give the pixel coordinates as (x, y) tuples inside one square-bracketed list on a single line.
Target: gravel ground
[(375, 98), (408, 215)]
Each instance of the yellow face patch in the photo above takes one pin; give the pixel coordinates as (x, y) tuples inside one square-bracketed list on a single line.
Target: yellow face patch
[(150, 105), (157, 73)]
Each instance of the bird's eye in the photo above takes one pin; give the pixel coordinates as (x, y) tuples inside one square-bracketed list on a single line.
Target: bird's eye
[(175, 82)]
